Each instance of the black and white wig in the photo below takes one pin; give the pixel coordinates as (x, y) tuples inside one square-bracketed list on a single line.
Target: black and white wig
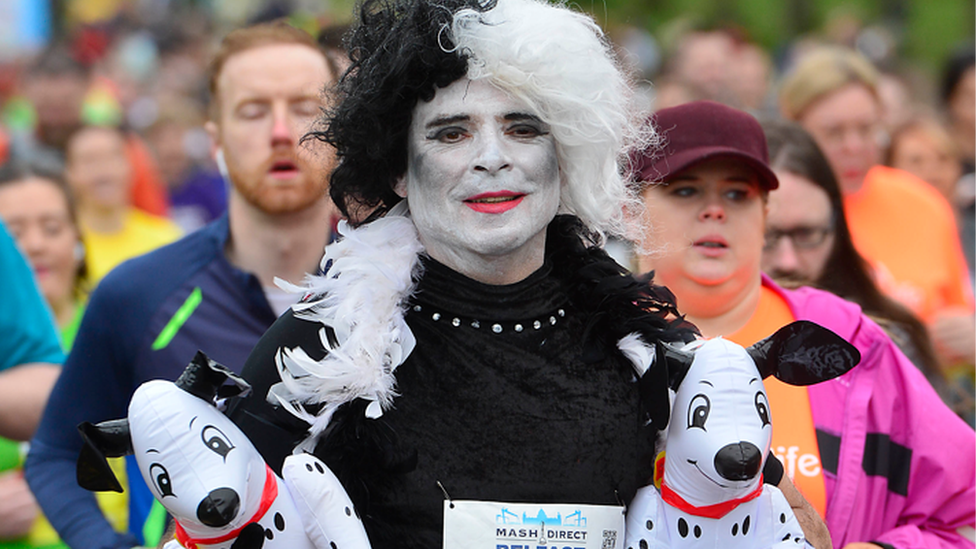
[(556, 60), (559, 63)]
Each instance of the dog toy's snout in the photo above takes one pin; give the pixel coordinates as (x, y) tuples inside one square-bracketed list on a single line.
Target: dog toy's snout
[(738, 461), (219, 507)]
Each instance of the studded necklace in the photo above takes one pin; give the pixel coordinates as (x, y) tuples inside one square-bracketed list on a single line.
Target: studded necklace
[(495, 327)]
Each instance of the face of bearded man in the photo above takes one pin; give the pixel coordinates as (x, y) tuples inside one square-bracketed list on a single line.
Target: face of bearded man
[(268, 97)]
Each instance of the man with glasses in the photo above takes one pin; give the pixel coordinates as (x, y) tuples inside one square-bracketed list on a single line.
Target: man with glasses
[(799, 230)]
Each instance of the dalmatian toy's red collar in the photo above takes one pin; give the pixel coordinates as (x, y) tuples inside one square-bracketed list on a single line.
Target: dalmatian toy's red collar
[(717, 510), (268, 496)]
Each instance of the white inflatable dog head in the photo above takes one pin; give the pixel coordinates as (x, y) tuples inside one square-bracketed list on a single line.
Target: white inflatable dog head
[(720, 431), (198, 464)]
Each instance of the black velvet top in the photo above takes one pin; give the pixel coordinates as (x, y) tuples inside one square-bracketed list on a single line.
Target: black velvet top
[(503, 398)]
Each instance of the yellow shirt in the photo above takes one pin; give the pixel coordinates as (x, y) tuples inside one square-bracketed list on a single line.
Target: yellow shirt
[(141, 233)]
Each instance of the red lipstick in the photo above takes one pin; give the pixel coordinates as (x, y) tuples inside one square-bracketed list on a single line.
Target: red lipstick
[(494, 202)]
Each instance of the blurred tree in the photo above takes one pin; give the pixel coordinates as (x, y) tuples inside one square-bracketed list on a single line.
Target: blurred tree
[(923, 31)]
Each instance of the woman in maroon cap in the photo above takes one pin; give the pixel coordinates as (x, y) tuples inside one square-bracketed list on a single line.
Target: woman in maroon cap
[(705, 225), (868, 449)]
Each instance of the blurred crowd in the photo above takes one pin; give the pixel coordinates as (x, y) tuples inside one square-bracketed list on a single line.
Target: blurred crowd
[(867, 110), (104, 156)]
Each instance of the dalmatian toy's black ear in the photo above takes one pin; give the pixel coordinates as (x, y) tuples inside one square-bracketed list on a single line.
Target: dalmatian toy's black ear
[(678, 361), (102, 441), (804, 353), (204, 378), (669, 368)]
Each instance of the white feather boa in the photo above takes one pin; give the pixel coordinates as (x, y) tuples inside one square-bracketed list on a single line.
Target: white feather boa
[(370, 274)]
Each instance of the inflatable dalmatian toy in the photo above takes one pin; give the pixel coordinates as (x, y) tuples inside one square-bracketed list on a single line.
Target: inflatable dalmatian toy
[(711, 493), (209, 476)]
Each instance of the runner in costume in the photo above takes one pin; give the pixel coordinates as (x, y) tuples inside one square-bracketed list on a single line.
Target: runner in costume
[(470, 340)]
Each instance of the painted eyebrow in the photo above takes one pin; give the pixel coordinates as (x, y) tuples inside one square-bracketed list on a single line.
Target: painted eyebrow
[(190, 426), (706, 383), (511, 117), (445, 120), (753, 379), (153, 450), (516, 116)]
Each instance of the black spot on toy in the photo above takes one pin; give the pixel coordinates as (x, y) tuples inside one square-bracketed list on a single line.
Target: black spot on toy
[(682, 527)]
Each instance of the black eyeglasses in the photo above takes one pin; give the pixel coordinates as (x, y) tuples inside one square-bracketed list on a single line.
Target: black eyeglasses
[(803, 238)]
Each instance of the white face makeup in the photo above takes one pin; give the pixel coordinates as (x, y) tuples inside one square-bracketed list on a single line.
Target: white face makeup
[(482, 181)]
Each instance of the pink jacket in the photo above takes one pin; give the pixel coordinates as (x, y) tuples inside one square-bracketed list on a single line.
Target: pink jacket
[(899, 466)]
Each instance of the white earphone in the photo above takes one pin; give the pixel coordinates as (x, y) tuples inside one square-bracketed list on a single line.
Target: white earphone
[(222, 164)]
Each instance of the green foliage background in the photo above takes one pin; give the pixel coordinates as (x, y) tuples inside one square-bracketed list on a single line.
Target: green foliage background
[(926, 30)]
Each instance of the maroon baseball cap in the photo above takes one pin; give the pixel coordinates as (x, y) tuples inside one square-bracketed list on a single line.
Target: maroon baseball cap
[(699, 130)]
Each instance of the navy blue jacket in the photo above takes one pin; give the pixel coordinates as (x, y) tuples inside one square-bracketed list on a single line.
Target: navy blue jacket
[(145, 321)]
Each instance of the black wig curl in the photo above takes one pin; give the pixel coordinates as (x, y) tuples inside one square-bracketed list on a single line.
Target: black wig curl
[(401, 51)]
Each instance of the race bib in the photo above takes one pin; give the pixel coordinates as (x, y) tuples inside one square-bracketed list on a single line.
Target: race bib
[(497, 525)]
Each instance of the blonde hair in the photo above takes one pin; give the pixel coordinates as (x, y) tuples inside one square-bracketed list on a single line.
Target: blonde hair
[(822, 72), (927, 124)]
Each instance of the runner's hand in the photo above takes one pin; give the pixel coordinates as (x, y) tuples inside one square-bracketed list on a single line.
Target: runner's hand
[(18, 509)]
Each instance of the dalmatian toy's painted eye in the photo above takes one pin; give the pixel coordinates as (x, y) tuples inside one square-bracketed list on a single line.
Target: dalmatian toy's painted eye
[(216, 441), (160, 478), (762, 407), (698, 411)]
